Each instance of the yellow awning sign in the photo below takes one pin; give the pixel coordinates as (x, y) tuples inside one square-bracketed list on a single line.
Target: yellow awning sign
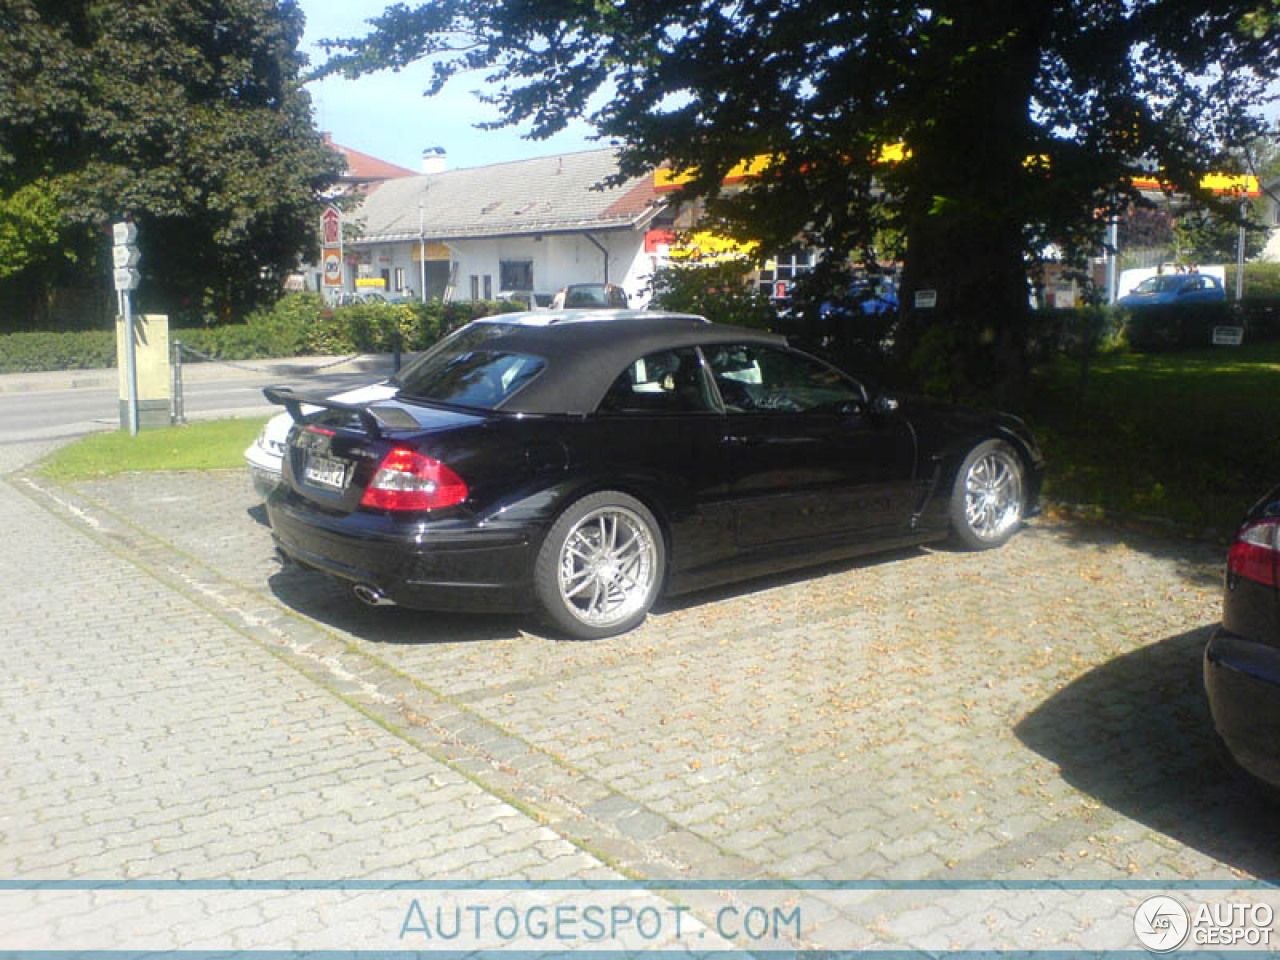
[(665, 178), (1223, 184), (434, 251), (701, 246)]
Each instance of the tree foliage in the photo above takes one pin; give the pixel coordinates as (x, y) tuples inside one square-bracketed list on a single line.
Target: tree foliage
[(1205, 236), (720, 291), (29, 219), (185, 115), (1023, 118)]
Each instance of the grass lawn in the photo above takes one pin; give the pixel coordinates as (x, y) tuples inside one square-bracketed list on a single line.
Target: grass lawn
[(1192, 437), (208, 445)]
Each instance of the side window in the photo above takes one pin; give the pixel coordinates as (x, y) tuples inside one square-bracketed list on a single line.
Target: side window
[(670, 381), (753, 378)]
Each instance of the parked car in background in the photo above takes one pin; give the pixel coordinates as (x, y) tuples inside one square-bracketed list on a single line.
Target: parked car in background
[(263, 455), (1175, 289), (1242, 658), (369, 296), (527, 299), (870, 297), (585, 469), (590, 296)]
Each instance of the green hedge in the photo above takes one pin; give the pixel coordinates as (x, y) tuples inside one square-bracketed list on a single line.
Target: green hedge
[(45, 350), (298, 325), (1171, 326)]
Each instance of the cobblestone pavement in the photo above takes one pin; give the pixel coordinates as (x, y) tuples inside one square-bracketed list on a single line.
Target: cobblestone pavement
[(1032, 713), (145, 736)]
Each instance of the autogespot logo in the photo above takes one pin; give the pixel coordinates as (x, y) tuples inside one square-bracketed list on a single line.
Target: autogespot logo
[(1161, 924)]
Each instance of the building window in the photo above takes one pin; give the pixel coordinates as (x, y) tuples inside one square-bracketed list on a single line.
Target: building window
[(399, 279), (488, 287), (515, 275), (782, 271), (475, 287)]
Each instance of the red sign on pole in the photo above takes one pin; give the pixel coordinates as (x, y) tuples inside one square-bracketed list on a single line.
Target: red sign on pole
[(331, 227)]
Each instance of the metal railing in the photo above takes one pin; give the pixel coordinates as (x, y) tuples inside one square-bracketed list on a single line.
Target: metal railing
[(177, 402)]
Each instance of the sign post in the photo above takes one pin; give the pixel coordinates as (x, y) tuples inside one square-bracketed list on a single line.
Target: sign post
[(331, 249), (124, 258)]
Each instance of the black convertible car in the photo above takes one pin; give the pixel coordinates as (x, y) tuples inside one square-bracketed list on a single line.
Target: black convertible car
[(586, 467)]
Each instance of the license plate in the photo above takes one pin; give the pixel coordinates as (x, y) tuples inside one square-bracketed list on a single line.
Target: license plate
[(324, 472)]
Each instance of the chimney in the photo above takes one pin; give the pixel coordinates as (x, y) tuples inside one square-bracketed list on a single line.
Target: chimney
[(434, 160)]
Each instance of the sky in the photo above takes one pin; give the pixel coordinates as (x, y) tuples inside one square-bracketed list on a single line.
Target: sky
[(386, 116)]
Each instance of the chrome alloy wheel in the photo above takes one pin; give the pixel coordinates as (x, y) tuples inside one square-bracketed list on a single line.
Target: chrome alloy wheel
[(607, 566), (993, 494)]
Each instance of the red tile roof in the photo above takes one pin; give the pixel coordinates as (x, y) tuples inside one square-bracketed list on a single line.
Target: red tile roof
[(362, 167)]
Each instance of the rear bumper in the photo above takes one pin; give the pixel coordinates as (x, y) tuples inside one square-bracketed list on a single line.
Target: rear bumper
[(452, 567), (1242, 680)]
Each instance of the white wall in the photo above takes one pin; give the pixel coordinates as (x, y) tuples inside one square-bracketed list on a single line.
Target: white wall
[(558, 260)]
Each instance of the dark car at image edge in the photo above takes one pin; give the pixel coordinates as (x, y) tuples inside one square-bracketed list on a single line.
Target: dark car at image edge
[(1242, 658), (583, 469)]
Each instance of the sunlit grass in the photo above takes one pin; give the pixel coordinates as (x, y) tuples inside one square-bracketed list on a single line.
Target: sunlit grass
[(1192, 437), (210, 445)]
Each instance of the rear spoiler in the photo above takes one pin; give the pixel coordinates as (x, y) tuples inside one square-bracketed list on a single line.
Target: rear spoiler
[(292, 401)]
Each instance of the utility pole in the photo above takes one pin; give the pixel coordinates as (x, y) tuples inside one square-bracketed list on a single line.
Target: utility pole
[(422, 251), (1240, 243), (124, 258)]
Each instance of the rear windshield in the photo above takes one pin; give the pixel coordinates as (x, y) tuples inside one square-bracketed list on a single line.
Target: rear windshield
[(462, 371)]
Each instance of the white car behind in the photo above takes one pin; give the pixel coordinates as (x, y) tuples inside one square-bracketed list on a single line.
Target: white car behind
[(265, 453)]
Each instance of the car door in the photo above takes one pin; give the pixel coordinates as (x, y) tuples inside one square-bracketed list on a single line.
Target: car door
[(656, 429), (800, 454)]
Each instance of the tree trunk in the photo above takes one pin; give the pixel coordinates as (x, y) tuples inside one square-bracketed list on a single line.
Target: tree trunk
[(966, 231)]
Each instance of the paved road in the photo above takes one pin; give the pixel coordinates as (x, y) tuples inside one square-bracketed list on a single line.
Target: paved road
[(40, 406), (177, 705), (145, 736)]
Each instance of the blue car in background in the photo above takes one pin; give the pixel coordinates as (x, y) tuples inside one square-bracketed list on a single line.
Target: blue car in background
[(868, 298), (1175, 288)]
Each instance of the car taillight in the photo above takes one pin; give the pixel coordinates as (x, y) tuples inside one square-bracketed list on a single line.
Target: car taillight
[(407, 480), (1255, 551)]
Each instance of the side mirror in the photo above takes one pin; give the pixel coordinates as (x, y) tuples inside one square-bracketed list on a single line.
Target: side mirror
[(884, 404)]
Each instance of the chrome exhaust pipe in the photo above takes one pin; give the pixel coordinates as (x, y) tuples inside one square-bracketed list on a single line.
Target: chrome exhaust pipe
[(371, 596)]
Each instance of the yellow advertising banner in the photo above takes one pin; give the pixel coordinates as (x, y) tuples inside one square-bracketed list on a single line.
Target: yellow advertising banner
[(1223, 184), (434, 251), (704, 246)]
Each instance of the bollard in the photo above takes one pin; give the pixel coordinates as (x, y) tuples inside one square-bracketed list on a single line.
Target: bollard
[(177, 411)]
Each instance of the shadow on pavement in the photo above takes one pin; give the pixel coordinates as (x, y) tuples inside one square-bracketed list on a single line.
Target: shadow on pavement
[(771, 581), (1135, 733), (323, 599)]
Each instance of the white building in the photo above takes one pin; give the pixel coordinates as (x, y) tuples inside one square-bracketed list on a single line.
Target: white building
[(537, 225)]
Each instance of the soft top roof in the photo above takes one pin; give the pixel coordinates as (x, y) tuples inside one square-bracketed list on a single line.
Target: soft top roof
[(583, 359)]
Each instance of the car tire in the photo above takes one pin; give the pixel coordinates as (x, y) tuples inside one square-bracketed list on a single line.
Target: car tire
[(989, 496), (601, 566)]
